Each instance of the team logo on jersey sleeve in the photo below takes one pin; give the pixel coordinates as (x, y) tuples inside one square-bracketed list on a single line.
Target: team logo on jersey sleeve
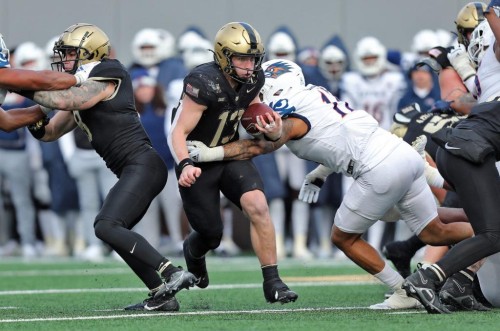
[(277, 69), (282, 107)]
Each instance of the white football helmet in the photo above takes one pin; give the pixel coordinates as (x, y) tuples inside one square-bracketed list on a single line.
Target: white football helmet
[(198, 54), (282, 78), (30, 56), (151, 46), (480, 40), (332, 62), (188, 40), (281, 46), (423, 41), (370, 56)]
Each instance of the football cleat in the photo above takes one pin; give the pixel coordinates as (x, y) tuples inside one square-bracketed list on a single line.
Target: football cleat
[(422, 285), (153, 303), (398, 300), (457, 292), (177, 281), (397, 252), (197, 266), (277, 291)]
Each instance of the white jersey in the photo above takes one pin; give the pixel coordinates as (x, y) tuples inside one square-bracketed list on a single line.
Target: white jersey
[(379, 95), (487, 83), (338, 135)]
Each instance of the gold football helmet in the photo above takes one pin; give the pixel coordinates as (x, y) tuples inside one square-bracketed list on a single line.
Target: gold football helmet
[(90, 43), (467, 19), (241, 39)]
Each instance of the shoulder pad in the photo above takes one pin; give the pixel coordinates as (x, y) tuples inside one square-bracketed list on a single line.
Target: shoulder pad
[(405, 114)]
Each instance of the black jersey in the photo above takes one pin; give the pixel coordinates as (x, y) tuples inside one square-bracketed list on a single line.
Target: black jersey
[(113, 125), (207, 85), (428, 124)]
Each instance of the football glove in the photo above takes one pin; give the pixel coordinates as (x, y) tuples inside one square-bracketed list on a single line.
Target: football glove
[(309, 192), (442, 106), (459, 59), (83, 72), (432, 175), (37, 129), (199, 152)]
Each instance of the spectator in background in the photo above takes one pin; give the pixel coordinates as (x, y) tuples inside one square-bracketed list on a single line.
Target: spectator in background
[(421, 89)]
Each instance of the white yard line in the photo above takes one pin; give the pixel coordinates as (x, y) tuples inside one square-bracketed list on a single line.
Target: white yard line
[(194, 313)]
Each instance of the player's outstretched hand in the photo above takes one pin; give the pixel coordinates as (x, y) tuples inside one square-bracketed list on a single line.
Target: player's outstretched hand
[(309, 192)]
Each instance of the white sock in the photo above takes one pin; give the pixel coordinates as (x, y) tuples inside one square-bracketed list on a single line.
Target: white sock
[(390, 277)]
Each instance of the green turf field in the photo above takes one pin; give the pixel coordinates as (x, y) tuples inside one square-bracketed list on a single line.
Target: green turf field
[(333, 295)]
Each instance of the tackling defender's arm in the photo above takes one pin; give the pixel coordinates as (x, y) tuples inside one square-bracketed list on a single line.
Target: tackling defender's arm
[(291, 128)]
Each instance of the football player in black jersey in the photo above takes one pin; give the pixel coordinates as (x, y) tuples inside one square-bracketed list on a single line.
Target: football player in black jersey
[(19, 79), (466, 159), (215, 95), (103, 107)]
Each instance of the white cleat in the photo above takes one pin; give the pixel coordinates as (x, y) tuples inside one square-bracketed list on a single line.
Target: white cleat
[(398, 300)]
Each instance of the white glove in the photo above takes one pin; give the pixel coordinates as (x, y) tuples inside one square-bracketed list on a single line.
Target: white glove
[(83, 72), (3, 93), (309, 192), (199, 152), (459, 59), (432, 175), (419, 145)]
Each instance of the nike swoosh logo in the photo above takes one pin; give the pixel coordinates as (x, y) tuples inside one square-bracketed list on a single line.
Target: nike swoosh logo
[(447, 146), (133, 249), (424, 281), (460, 288), (250, 90)]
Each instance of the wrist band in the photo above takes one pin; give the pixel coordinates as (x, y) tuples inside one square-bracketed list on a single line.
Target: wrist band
[(187, 161)]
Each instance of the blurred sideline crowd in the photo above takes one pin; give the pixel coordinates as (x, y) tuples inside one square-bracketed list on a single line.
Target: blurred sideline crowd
[(51, 192)]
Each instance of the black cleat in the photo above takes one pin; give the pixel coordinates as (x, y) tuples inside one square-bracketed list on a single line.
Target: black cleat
[(161, 303), (177, 281), (277, 291), (197, 266), (422, 286), (457, 292), (397, 252)]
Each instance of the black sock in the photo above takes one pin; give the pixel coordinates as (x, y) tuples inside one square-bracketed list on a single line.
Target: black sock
[(414, 244), (166, 268), (270, 272)]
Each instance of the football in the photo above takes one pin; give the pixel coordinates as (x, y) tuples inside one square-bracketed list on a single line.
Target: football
[(249, 118)]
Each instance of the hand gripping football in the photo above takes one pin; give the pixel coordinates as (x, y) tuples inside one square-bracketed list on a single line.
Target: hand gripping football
[(249, 118)]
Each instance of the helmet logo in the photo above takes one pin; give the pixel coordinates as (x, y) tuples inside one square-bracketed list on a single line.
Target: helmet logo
[(277, 69)]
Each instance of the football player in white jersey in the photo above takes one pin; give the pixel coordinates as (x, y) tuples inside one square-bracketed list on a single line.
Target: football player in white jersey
[(376, 89), (387, 171)]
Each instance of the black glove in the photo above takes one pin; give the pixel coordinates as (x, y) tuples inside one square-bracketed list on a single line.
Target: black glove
[(38, 129), (437, 60)]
